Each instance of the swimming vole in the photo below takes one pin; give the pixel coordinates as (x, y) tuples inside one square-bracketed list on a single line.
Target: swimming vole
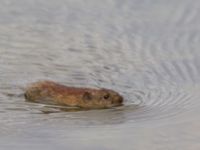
[(49, 92)]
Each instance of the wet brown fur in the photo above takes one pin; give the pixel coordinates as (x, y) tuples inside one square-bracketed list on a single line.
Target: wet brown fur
[(53, 93)]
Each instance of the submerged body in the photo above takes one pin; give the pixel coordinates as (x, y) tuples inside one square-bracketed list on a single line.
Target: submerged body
[(53, 93)]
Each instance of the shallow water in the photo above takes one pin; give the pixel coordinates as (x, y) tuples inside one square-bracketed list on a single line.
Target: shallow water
[(146, 50)]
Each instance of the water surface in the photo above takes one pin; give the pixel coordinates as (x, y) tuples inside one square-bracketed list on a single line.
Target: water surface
[(147, 50)]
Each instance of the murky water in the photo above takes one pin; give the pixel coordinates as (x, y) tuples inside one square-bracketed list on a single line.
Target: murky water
[(147, 50)]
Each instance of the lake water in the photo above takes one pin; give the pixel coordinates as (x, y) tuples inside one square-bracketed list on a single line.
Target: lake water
[(147, 50)]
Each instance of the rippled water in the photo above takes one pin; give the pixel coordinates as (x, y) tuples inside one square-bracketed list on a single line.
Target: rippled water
[(146, 50)]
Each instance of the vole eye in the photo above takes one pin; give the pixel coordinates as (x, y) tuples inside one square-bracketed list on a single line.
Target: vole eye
[(106, 96)]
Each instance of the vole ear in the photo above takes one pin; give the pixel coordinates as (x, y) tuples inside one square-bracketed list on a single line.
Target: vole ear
[(87, 96)]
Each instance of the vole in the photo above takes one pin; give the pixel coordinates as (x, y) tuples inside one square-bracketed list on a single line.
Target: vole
[(49, 92)]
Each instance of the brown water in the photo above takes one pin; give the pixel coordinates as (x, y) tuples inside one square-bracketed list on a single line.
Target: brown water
[(147, 50)]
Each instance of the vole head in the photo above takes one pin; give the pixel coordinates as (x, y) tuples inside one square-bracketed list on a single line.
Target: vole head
[(102, 98)]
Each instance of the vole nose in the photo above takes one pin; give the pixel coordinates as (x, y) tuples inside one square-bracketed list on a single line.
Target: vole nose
[(120, 99)]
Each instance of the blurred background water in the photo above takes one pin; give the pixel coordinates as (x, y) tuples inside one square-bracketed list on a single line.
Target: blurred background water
[(147, 50)]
